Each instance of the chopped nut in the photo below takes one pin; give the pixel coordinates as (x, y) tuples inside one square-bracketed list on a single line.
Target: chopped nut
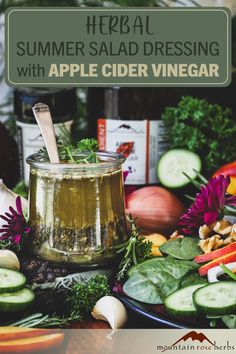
[(176, 235), (233, 231), (211, 243), (223, 227), (205, 231), (228, 240)]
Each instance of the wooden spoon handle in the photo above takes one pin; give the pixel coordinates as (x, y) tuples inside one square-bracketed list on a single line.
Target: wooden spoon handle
[(43, 117)]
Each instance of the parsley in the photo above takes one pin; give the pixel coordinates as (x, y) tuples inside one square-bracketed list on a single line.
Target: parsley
[(135, 250), (84, 295), (204, 128)]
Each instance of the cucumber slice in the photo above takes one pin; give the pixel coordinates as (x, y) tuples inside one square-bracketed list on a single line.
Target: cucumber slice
[(11, 281), (180, 303), (172, 165), (18, 301), (216, 299)]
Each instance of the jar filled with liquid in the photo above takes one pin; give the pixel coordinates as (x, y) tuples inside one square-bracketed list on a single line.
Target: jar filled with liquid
[(76, 211)]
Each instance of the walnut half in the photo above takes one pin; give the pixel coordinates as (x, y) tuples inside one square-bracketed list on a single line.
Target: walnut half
[(211, 243), (205, 231), (223, 227)]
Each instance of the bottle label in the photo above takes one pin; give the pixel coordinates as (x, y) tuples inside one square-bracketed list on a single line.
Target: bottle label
[(141, 142), (30, 141)]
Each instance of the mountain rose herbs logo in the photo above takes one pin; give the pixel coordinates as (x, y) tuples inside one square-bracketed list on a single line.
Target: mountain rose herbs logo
[(199, 342)]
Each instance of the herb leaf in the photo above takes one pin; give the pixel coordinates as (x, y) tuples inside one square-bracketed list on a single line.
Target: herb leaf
[(204, 128)]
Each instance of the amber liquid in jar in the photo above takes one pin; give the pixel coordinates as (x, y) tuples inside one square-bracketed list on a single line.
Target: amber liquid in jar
[(77, 217)]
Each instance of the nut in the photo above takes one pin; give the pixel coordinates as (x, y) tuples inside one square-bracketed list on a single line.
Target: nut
[(176, 235), (229, 240), (223, 227), (211, 243), (205, 231), (233, 231)]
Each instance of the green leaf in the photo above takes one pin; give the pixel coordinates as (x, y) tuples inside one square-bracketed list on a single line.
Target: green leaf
[(229, 321), (183, 248), (153, 280), (192, 279)]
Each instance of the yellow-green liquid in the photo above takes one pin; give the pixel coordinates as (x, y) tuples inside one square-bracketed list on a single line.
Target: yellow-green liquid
[(76, 220)]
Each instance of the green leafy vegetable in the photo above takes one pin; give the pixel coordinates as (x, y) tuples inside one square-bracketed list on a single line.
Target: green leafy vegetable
[(135, 250), (204, 128), (192, 279), (84, 295), (182, 248), (21, 189), (83, 152), (153, 280)]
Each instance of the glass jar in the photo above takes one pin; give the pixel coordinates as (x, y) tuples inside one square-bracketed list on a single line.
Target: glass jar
[(76, 211)]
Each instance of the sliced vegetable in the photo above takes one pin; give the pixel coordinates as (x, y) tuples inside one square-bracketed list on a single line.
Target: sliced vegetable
[(12, 333), (157, 240), (31, 345), (180, 303), (227, 271), (215, 254), (182, 248), (11, 281), (228, 258), (229, 170), (214, 273), (216, 299), (18, 301), (174, 163), (156, 209)]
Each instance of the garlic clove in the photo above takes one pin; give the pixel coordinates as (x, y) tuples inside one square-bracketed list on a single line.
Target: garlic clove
[(9, 260), (110, 309), (8, 198)]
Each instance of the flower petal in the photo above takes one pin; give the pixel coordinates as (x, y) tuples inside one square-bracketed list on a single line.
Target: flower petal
[(19, 205), (210, 217), (17, 239), (5, 218)]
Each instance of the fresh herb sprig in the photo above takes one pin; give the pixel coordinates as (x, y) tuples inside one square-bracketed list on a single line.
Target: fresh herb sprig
[(83, 152), (205, 128), (39, 320), (84, 295), (134, 251)]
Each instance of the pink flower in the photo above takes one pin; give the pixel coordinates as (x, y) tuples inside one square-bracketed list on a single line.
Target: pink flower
[(16, 224), (208, 206)]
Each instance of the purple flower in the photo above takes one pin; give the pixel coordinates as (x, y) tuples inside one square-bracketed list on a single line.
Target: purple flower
[(16, 224), (208, 206)]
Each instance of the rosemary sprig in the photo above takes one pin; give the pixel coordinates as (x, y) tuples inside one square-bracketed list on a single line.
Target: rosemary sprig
[(38, 320), (134, 251)]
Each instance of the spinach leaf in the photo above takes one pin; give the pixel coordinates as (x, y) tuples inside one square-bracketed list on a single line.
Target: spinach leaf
[(152, 281), (182, 248), (192, 279)]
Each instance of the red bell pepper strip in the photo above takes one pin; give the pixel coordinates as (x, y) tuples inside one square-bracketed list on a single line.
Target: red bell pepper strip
[(228, 258), (228, 169), (203, 258)]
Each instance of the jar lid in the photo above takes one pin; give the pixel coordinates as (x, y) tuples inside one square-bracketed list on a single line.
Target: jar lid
[(62, 103)]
